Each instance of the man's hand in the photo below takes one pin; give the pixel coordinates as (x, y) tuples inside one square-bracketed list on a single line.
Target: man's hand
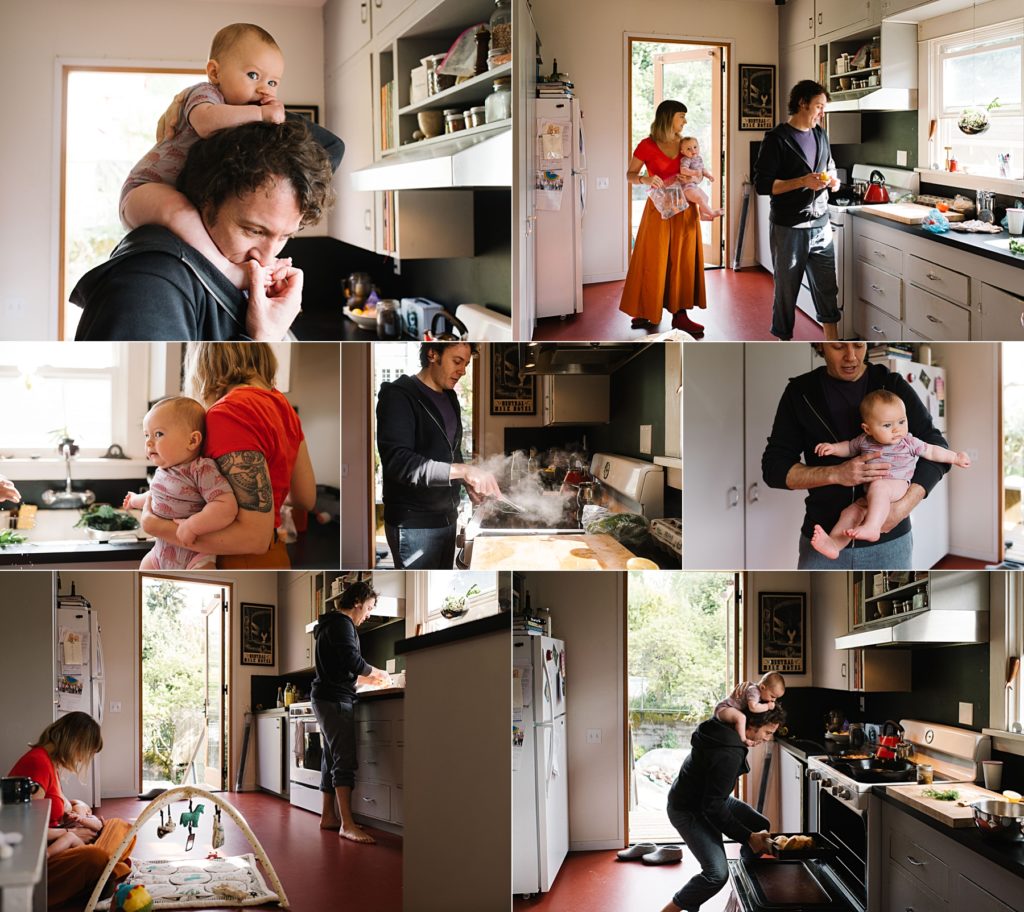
[(481, 483), (167, 125), (760, 842), (475, 498), (185, 534), (860, 470), (813, 181), (272, 110), (8, 491), (899, 510), (273, 307)]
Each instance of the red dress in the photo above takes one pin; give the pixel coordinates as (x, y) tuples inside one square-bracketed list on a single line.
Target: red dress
[(38, 766), (666, 268)]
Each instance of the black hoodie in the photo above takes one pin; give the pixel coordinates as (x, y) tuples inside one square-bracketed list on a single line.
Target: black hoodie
[(338, 658), (780, 158), (802, 422), (416, 455), (708, 776)]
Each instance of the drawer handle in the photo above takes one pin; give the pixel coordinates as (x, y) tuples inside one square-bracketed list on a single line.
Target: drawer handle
[(877, 330), (371, 731), (370, 800), (933, 319), (753, 493), (881, 291), (366, 219), (370, 762), (915, 862), (878, 253), (932, 276)]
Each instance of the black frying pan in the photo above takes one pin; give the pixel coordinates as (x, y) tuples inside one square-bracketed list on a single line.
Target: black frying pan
[(880, 770)]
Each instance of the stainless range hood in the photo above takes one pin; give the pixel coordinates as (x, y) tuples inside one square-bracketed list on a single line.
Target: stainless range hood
[(579, 358)]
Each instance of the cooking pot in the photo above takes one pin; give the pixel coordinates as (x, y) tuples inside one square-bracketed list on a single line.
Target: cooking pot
[(876, 191), (1002, 821)]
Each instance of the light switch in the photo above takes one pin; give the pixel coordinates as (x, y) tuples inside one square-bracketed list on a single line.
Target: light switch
[(601, 183), (966, 713), (901, 158), (645, 438), (390, 666), (115, 706), (593, 736)]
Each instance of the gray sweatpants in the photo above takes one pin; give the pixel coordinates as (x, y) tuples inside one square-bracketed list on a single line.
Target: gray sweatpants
[(794, 252)]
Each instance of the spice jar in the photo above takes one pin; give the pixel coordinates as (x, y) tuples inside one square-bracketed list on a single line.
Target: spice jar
[(454, 121), (498, 105), (925, 774), (476, 116), (389, 320), (501, 34)]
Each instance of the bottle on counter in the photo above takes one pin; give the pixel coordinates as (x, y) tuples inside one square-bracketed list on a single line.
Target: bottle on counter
[(280, 698), (289, 694)]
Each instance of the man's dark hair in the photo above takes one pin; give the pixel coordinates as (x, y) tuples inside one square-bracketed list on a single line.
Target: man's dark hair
[(427, 347), (356, 594), (243, 159), (803, 92), (771, 717)]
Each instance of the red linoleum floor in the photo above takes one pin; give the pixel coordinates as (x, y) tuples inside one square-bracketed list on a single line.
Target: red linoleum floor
[(596, 882), (955, 562), (318, 869), (739, 309)]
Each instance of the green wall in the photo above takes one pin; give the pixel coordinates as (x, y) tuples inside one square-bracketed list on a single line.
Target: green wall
[(637, 397), (881, 134)]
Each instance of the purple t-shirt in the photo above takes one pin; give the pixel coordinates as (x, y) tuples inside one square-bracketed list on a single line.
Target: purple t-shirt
[(444, 405), (808, 145)]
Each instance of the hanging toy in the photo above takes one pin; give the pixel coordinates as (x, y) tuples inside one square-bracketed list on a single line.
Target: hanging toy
[(190, 819), (218, 830), (166, 827)]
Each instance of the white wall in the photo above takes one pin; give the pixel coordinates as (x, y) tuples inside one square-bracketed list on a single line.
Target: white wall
[(38, 34), (357, 402), (591, 48), (315, 392), (588, 612)]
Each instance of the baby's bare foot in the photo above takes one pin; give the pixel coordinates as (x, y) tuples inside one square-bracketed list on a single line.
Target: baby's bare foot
[(863, 533), (355, 834), (822, 542)]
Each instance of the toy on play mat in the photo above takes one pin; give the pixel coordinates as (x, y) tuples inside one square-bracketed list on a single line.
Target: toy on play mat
[(179, 883)]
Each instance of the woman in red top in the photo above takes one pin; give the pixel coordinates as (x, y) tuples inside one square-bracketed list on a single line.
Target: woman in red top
[(666, 269), (254, 435), (79, 845)]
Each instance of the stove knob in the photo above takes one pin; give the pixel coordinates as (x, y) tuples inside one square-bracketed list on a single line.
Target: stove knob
[(841, 792), (826, 783), (814, 776)]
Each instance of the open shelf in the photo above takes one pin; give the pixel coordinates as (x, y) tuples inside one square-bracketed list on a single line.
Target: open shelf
[(464, 91), (495, 127)]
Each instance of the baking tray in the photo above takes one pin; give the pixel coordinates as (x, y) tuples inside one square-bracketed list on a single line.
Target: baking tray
[(788, 885), (822, 847)]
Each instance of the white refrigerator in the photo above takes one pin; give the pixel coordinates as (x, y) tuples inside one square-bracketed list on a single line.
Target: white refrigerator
[(540, 782), (560, 199), (79, 685)]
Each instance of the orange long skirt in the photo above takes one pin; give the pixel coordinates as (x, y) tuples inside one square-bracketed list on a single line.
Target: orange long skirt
[(274, 558), (74, 873), (666, 270)]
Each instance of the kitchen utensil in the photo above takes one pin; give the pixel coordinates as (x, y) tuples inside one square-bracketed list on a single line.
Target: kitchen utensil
[(888, 740), (876, 192), (457, 333), (1000, 820), (504, 505), (993, 772), (389, 319), (925, 773), (875, 770), (834, 719), (820, 847)]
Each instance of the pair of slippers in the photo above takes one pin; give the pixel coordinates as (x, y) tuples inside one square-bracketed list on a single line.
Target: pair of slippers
[(650, 854)]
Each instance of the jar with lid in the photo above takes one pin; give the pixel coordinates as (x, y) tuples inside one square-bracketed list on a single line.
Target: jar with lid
[(454, 121), (389, 320), (500, 28), (498, 105)]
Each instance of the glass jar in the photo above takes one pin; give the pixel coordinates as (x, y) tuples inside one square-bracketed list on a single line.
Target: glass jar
[(925, 774), (435, 81), (454, 121), (500, 28), (498, 105), (389, 320)]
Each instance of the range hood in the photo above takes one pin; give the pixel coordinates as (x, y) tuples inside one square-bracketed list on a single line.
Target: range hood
[(948, 627), (882, 99), (578, 358), (479, 159)]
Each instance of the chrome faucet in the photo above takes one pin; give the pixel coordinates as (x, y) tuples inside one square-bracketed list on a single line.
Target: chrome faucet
[(67, 499)]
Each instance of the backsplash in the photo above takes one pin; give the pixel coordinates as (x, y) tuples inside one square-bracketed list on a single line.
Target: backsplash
[(882, 133)]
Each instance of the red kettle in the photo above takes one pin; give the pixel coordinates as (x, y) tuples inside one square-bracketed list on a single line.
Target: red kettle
[(876, 192), (888, 740)]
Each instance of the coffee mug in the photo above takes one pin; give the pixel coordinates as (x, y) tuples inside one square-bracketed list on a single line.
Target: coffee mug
[(1015, 221), (993, 774), (18, 789)]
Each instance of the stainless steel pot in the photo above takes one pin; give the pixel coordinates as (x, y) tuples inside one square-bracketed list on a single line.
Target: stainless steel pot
[(1000, 820)]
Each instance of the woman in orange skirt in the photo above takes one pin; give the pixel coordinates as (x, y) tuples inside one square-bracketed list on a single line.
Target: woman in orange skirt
[(666, 270)]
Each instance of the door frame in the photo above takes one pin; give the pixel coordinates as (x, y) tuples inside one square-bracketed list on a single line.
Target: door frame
[(725, 48)]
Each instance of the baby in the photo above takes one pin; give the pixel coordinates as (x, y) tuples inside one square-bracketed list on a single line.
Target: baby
[(76, 814), (244, 72), (691, 171), (885, 432), (187, 487), (750, 697)]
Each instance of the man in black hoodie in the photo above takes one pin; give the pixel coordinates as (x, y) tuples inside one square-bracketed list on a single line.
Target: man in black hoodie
[(419, 438), (702, 807), (340, 666), (795, 167)]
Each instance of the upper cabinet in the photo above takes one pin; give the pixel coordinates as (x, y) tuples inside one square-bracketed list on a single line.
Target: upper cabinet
[(796, 22), (571, 399), (350, 24), (832, 16)]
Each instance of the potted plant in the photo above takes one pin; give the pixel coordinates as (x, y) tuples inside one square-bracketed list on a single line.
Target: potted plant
[(974, 121), (454, 606)]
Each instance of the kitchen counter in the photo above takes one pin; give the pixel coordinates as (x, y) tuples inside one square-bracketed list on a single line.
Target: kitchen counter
[(493, 623), (549, 552), (979, 244), (801, 748), (23, 875), (379, 693), (1007, 855), (56, 540)]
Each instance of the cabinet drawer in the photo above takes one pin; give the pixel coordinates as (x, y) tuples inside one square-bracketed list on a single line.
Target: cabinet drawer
[(398, 807), (936, 318), (884, 256), (374, 730), (399, 755), (372, 799), (873, 325), (877, 287), (376, 762), (903, 893), (970, 896), (919, 863), (398, 727), (954, 286)]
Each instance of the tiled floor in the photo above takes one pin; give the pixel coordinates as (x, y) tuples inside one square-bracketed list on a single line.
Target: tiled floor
[(597, 882), (318, 869), (739, 309)]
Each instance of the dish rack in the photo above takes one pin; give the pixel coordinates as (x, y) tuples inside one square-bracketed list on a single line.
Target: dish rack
[(668, 533)]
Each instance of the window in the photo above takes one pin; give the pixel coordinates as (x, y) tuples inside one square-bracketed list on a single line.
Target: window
[(80, 390), (474, 592), (1015, 640), (968, 71)]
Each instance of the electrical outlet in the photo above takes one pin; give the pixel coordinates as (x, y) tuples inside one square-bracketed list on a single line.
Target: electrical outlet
[(601, 183), (901, 157), (115, 706), (862, 709), (593, 736), (966, 713), (645, 438), (344, 470)]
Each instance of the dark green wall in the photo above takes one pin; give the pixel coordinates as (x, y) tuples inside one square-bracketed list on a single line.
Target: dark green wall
[(881, 134), (637, 397)]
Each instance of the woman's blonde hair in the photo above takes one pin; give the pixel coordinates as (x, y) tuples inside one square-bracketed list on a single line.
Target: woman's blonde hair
[(213, 368), (71, 741), (661, 127)]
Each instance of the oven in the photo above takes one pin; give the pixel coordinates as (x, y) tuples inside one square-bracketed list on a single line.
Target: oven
[(846, 826), (305, 751)]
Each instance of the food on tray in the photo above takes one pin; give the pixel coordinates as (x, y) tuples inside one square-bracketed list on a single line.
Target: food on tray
[(856, 757), (107, 519), (941, 794), (793, 843)]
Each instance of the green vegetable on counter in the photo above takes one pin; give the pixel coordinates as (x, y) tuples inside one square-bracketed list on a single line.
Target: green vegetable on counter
[(106, 519), (10, 537), (1016, 245), (941, 794)]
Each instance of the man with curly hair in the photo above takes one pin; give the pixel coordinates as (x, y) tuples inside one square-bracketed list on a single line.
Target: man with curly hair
[(254, 186)]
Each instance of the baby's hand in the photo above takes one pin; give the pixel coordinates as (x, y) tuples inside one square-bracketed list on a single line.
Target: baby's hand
[(276, 271), (127, 503), (185, 534), (962, 460), (710, 177), (825, 449), (272, 110)]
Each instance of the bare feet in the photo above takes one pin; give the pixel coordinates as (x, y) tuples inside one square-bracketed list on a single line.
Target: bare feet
[(822, 542), (863, 533), (355, 834)]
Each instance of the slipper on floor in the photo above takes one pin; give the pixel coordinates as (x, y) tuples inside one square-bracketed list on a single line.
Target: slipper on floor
[(641, 323), (637, 851), (664, 855)]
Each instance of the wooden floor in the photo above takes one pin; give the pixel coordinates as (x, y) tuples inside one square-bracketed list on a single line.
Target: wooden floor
[(318, 869), (739, 309)]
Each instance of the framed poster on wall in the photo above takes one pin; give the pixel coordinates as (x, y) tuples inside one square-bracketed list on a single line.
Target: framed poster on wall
[(257, 634), (511, 394), (757, 96), (782, 632)]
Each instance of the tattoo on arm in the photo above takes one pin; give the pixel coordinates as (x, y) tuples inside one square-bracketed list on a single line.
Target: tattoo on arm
[(247, 473)]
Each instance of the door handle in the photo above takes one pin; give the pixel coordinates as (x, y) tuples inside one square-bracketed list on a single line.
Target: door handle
[(364, 12), (366, 219), (734, 496), (932, 276), (819, 18), (753, 493), (842, 670), (810, 22), (915, 862)]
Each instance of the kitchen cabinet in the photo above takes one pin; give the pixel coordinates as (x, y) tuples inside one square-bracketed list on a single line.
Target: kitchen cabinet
[(524, 216), (791, 792), (296, 599), (832, 16), (574, 399), (892, 8), (797, 62), (1001, 314), (892, 65), (350, 24), (377, 794), (796, 24), (906, 593), (271, 768), (349, 113)]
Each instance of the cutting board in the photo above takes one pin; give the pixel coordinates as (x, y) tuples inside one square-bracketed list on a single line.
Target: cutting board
[(908, 213), (947, 812), (548, 552)]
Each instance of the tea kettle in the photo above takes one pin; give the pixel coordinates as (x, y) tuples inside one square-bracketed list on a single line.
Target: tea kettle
[(457, 333), (889, 739), (876, 191)]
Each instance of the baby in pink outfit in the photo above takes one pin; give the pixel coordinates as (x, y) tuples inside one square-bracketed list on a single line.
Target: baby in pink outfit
[(187, 487), (691, 172), (885, 434), (753, 697)]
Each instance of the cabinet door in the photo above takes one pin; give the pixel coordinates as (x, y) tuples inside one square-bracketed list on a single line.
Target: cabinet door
[(830, 618), (296, 644), (385, 12), (796, 22), (872, 325), (791, 793), (969, 895), (346, 30), (576, 400), (893, 7), (713, 456), (795, 63), (901, 894), (1002, 314), (524, 218), (349, 114), (838, 15), (774, 516), (270, 752)]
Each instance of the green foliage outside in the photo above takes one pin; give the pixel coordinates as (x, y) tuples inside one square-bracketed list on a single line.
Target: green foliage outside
[(1013, 409), (172, 682)]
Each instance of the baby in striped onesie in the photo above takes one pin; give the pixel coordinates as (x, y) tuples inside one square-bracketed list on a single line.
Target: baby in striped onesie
[(885, 433)]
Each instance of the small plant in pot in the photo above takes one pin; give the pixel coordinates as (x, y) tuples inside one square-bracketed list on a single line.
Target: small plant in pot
[(974, 121), (454, 606)]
